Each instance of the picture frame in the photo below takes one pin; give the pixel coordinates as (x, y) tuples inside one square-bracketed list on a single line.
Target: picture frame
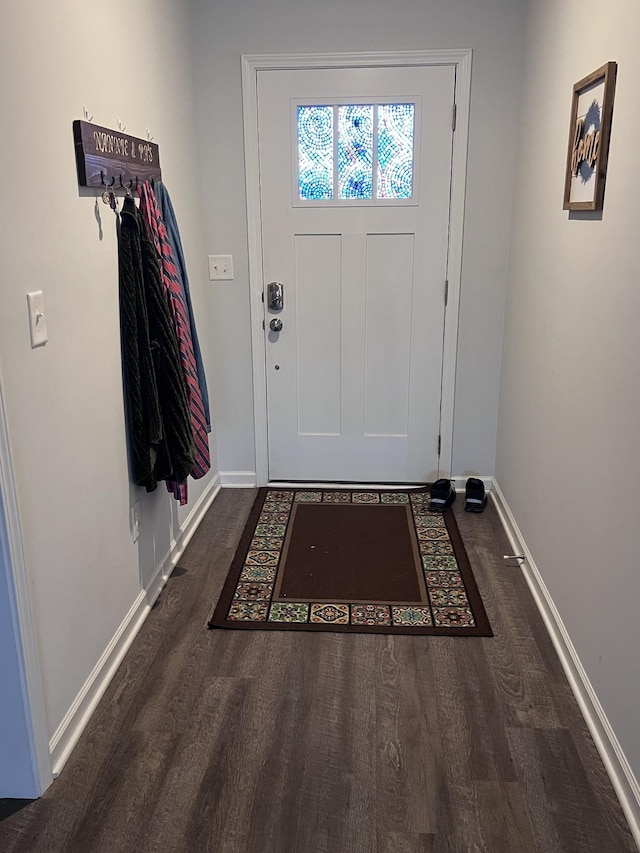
[(589, 135)]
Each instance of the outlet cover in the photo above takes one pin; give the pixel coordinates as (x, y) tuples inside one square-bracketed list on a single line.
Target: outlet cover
[(37, 319), (220, 267)]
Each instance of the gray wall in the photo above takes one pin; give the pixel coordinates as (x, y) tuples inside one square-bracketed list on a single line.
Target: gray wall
[(225, 29), (64, 400), (569, 424)]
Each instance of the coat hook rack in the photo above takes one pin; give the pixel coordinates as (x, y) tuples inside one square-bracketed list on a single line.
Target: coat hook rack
[(112, 159)]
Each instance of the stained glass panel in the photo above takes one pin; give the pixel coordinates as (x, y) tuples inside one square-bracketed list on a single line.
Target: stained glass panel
[(315, 152), (355, 151), (353, 145), (395, 150)]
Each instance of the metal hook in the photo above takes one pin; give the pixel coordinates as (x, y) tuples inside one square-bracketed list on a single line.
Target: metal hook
[(149, 137), (121, 127), (85, 113), (127, 187)]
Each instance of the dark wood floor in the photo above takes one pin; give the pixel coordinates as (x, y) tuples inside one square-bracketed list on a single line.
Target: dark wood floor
[(250, 742)]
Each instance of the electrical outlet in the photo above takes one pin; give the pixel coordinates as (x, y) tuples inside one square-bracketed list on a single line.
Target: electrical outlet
[(135, 521), (220, 267)]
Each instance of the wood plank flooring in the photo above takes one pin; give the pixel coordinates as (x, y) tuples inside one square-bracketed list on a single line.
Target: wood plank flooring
[(269, 742)]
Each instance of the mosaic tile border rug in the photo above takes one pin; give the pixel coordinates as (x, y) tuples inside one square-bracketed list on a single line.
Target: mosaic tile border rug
[(446, 602)]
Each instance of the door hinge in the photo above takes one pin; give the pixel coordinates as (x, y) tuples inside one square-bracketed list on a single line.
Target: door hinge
[(446, 293), (439, 445), (454, 117)]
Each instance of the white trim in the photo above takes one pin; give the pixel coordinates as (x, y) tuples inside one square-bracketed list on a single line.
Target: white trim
[(13, 557), (460, 482), (251, 65), (454, 271), (75, 720), (250, 69), (621, 775), (354, 59), (238, 479), (323, 484)]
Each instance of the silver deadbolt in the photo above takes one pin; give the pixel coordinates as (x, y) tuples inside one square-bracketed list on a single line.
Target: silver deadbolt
[(276, 324), (275, 296)]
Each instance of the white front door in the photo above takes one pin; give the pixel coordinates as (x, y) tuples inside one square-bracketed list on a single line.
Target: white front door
[(355, 182)]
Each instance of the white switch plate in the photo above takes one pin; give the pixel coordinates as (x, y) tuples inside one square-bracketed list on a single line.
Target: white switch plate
[(37, 319), (220, 267)]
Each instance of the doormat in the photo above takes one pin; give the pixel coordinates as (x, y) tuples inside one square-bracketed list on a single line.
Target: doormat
[(368, 561)]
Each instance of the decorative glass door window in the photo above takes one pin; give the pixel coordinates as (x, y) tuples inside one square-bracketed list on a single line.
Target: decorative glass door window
[(359, 152)]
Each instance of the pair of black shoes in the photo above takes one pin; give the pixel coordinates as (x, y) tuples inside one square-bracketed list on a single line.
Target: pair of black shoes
[(443, 494)]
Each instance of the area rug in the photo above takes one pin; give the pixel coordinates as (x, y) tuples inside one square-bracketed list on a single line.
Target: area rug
[(369, 561)]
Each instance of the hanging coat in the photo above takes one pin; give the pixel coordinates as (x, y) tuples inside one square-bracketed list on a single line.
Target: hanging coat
[(175, 241), (157, 232), (161, 443)]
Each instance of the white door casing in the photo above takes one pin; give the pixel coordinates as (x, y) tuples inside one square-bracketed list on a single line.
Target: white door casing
[(323, 247), (23, 700)]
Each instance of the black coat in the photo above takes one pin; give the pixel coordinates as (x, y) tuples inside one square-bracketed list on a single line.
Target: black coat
[(161, 445)]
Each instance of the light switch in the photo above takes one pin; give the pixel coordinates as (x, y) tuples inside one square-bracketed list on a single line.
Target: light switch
[(37, 319), (220, 267)]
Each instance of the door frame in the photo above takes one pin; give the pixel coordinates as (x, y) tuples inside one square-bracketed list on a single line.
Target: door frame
[(252, 64), (31, 703)]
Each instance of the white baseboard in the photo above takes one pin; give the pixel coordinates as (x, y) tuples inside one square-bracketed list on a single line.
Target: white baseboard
[(238, 479), (621, 775), (323, 484), (248, 480), (75, 720), (460, 482)]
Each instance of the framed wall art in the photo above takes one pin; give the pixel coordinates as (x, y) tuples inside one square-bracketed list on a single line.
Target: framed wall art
[(589, 133)]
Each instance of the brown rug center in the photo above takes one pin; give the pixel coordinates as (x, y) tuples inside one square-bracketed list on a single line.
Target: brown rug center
[(350, 553)]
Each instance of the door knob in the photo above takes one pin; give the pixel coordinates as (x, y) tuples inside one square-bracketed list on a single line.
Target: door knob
[(276, 324)]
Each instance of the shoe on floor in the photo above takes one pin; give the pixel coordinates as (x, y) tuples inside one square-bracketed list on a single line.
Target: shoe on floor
[(441, 496), (475, 499)]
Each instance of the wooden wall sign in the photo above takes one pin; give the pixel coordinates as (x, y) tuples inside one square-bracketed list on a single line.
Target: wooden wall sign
[(589, 134), (109, 158)]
